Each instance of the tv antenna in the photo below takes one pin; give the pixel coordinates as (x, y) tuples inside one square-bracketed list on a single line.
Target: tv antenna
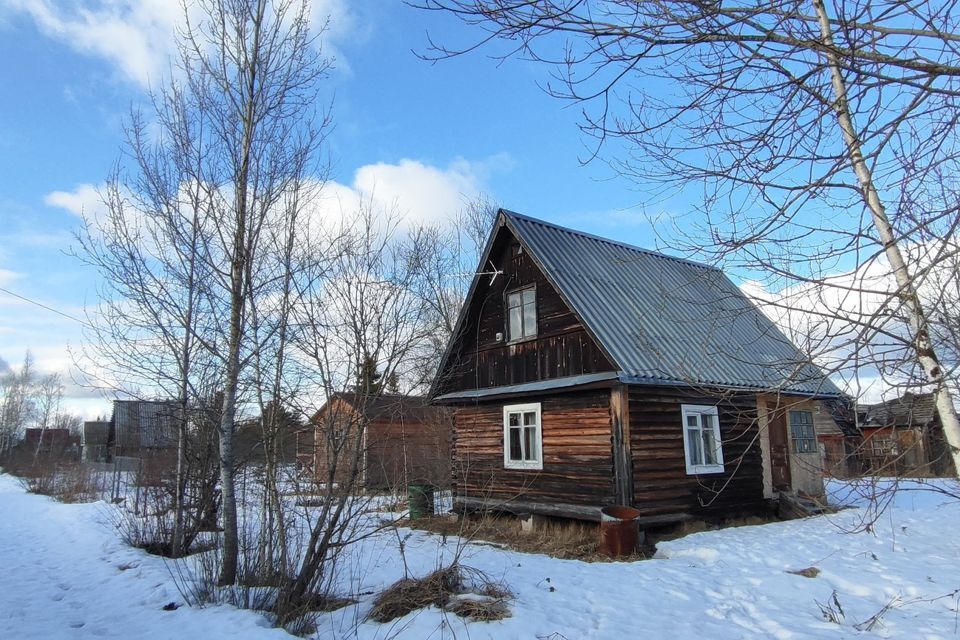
[(493, 273)]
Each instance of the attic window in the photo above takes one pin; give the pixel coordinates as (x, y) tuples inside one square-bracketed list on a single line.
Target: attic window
[(701, 439), (522, 314)]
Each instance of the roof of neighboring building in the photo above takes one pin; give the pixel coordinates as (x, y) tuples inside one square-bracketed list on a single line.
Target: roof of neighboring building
[(387, 405), (836, 418), (908, 410), (663, 319)]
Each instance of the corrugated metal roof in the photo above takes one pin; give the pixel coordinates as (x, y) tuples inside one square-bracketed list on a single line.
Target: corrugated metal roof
[(662, 318)]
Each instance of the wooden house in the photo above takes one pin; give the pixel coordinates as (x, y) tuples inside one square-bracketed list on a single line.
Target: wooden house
[(402, 439), (903, 436), (839, 438), (585, 372)]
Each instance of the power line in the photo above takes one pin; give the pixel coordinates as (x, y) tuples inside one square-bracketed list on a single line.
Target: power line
[(43, 306)]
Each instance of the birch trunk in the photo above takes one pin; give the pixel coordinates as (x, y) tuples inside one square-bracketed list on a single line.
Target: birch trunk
[(906, 290)]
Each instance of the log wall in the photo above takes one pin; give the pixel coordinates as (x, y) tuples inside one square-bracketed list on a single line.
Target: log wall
[(577, 460), (660, 481)]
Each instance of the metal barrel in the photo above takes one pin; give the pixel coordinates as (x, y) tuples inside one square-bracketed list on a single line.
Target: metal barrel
[(619, 531), (420, 500)]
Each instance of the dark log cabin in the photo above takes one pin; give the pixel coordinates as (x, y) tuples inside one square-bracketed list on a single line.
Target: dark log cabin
[(585, 372)]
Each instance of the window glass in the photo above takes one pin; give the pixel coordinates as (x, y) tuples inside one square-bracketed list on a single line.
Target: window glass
[(530, 444), (516, 452), (522, 314), (709, 444), (802, 432), (693, 450), (529, 320), (516, 323)]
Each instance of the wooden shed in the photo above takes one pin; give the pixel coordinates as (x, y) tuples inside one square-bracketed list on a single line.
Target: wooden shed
[(585, 372), (403, 440), (903, 436)]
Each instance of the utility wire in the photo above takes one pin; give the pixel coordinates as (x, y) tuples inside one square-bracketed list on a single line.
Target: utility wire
[(43, 306)]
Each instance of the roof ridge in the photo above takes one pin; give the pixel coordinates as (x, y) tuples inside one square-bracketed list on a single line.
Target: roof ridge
[(616, 243)]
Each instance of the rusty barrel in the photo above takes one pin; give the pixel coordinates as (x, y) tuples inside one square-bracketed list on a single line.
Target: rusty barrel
[(619, 531)]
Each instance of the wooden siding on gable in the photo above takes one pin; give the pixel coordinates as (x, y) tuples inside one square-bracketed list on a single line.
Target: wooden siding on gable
[(577, 462), (660, 481), (561, 348)]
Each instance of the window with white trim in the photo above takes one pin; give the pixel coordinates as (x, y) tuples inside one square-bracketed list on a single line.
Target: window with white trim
[(802, 433), (522, 314), (522, 437), (701, 439)]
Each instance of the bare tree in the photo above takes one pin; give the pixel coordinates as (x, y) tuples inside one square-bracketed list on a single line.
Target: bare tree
[(17, 404), (820, 134), (49, 395), (196, 230), (444, 259), (252, 72), (358, 312)]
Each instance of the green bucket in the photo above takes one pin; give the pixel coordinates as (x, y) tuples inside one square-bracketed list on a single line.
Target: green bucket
[(420, 500)]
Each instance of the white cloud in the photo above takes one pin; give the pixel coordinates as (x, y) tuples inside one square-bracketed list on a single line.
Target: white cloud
[(852, 322), (135, 36), (138, 37), (83, 201), (7, 277), (419, 193)]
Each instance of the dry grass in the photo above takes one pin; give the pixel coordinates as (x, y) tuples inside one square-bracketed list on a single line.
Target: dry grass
[(64, 482), (565, 539), (809, 572), (689, 527), (479, 609), (463, 591)]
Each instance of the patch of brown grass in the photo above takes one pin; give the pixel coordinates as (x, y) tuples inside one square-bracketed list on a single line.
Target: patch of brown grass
[(479, 609), (485, 600)]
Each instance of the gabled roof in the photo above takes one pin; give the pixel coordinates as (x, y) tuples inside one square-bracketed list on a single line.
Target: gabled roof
[(387, 405), (906, 411), (662, 319)]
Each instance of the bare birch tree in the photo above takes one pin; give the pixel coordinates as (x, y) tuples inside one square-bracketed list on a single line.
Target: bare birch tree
[(196, 228), (16, 403), (251, 73), (818, 133)]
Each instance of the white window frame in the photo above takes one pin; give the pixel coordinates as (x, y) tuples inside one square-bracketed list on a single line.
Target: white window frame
[(700, 411), (527, 331), (508, 463)]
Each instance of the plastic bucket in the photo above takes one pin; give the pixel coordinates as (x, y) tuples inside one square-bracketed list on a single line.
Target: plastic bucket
[(619, 531), (420, 500)]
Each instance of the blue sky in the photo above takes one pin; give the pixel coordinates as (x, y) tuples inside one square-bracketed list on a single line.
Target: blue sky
[(424, 135)]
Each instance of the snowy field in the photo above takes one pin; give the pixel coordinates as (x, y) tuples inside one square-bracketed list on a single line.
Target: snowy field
[(65, 574)]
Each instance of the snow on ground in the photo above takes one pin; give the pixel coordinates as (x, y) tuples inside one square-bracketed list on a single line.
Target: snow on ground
[(62, 577), (65, 574)]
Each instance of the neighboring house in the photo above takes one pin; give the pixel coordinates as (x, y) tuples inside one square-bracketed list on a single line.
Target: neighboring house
[(903, 436), (143, 428), (51, 444), (403, 439), (95, 441), (586, 372), (839, 438)]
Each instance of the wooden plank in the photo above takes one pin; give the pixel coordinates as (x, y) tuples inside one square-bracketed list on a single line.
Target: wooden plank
[(622, 457), (522, 507)]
